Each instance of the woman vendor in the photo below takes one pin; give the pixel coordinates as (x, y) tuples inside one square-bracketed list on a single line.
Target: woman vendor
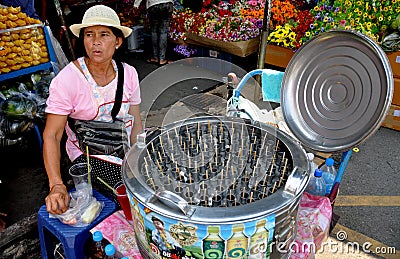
[(86, 90)]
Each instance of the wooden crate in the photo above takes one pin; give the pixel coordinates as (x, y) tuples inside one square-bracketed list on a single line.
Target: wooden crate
[(278, 56), (394, 59), (392, 119), (396, 93)]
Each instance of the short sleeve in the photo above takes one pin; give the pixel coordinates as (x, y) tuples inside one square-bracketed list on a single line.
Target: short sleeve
[(132, 85), (70, 93), (59, 100)]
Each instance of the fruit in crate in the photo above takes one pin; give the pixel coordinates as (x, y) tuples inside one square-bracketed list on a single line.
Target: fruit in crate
[(11, 17), (20, 47)]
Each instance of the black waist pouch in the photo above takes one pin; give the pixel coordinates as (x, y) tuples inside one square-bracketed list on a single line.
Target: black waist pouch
[(102, 138)]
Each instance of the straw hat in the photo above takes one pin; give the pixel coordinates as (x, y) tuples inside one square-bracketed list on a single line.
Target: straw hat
[(100, 15)]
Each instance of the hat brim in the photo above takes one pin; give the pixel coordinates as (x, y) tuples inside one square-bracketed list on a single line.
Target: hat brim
[(76, 28)]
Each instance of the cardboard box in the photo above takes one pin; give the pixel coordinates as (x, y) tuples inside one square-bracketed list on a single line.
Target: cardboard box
[(392, 119), (396, 92), (239, 48), (278, 56), (394, 59)]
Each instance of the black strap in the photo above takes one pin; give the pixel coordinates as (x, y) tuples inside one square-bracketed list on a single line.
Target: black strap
[(118, 93)]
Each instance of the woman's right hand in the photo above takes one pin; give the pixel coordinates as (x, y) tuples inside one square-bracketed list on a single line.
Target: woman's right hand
[(58, 199)]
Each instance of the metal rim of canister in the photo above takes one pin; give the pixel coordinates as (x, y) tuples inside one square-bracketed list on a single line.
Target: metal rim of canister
[(278, 203)]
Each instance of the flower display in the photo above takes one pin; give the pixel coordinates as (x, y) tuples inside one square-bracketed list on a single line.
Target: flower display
[(292, 22), (325, 17), (284, 36), (229, 29), (282, 11), (291, 33), (225, 21), (370, 17), (185, 20)]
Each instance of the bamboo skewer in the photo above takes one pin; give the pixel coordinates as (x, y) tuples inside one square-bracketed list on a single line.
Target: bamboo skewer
[(161, 144), (159, 155), (152, 147), (273, 188), (198, 130), (251, 197), (263, 192), (283, 173), (153, 186), (147, 171)]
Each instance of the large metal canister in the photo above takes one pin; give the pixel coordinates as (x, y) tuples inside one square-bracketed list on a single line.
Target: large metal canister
[(222, 187), (217, 176)]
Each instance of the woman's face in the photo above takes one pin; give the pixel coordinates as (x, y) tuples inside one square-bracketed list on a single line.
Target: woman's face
[(100, 43)]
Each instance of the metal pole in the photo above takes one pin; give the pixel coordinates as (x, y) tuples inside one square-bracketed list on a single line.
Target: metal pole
[(262, 47), (64, 27)]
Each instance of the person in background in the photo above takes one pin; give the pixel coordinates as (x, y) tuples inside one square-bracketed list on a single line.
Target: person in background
[(85, 89), (160, 14)]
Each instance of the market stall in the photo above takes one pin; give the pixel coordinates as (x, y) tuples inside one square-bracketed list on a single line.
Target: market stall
[(28, 63)]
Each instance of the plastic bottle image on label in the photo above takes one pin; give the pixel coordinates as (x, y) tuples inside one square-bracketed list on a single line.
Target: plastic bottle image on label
[(213, 244), (259, 242), (237, 245)]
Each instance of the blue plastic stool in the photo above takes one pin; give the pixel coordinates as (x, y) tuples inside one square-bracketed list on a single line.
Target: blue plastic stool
[(72, 238)]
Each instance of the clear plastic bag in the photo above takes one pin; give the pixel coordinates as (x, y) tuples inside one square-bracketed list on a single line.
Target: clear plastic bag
[(83, 209), (19, 107), (62, 59)]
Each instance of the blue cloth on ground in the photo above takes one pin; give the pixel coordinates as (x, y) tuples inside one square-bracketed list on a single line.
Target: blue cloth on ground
[(271, 85)]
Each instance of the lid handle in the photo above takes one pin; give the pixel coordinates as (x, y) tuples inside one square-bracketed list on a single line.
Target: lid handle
[(174, 201), (295, 181)]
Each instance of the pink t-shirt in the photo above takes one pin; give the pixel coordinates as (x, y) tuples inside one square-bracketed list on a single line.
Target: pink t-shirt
[(71, 94)]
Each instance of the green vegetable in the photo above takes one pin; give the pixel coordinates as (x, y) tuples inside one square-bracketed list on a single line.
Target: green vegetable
[(36, 78), (19, 107)]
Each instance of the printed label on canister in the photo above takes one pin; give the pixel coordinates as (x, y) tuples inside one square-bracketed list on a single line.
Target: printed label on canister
[(166, 238)]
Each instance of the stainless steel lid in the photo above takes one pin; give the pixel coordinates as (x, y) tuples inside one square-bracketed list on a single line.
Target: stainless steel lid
[(336, 90)]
